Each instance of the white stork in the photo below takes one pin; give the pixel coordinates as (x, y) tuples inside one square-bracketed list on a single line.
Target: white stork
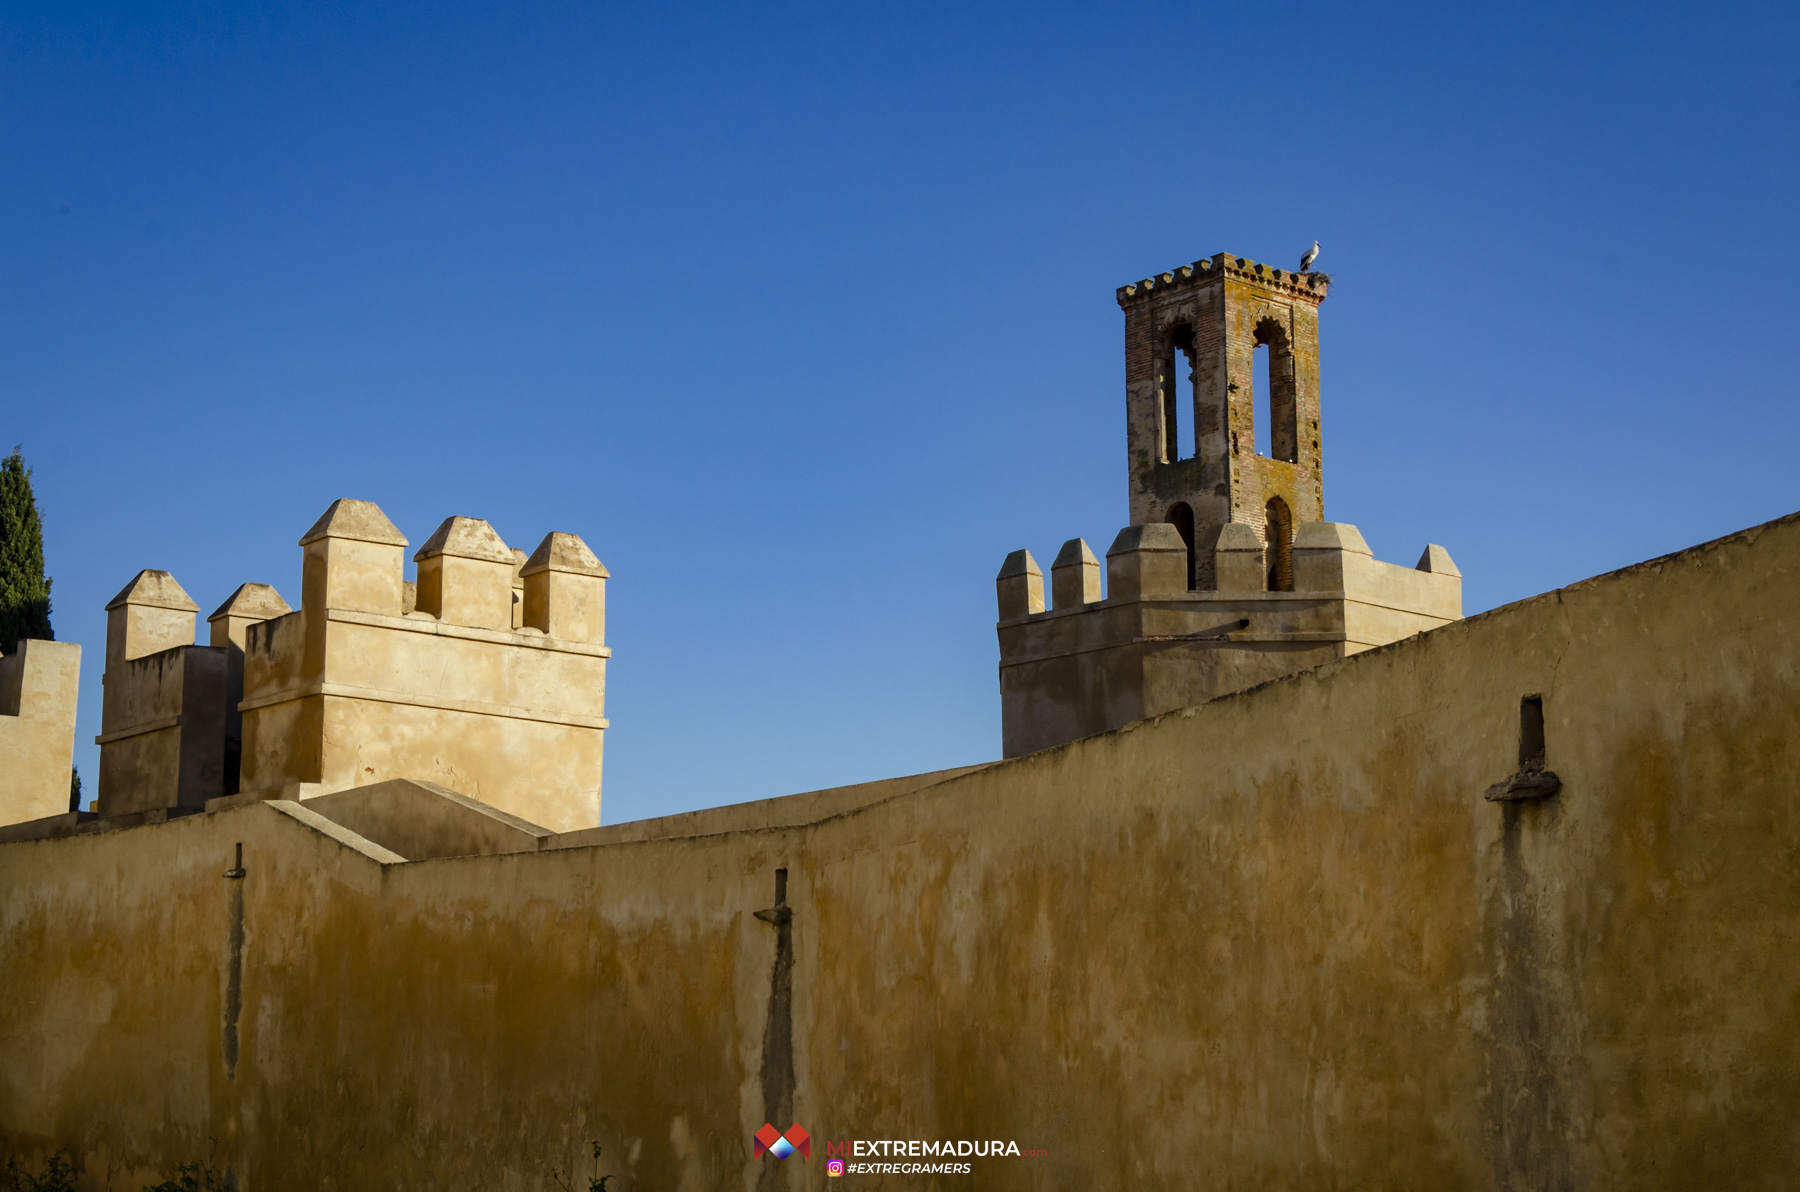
[(1312, 254)]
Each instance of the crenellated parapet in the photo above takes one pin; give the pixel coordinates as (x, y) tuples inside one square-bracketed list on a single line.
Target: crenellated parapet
[(1149, 643), (353, 559), (486, 675), (164, 706), (1228, 574), (564, 590), (1308, 287), (466, 575), (230, 624), (170, 730)]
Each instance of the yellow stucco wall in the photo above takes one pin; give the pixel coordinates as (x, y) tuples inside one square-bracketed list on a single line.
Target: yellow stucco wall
[(37, 728), (1275, 941), (344, 697)]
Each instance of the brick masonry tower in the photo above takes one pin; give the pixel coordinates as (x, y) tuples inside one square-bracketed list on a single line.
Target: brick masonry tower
[(1191, 338), (1227, 576)]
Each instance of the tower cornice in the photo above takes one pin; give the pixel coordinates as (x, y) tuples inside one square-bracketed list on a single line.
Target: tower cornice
[(1307, 287)]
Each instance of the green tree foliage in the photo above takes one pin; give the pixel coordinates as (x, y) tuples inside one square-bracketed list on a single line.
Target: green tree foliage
[(24, 588)]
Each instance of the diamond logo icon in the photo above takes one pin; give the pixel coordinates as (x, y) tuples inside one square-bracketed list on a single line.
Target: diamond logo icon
[(774, 1142)]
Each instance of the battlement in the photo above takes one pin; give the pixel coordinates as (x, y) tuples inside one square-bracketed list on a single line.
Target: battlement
[(563, 590), (1147, 643), (465, 575), (164, 705), (1149, 563), (250, 604), (1308, 287), (1228, 574), (150, 614), (486, 676)]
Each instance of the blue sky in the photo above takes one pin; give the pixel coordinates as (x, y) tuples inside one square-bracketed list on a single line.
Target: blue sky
[(803, 316)]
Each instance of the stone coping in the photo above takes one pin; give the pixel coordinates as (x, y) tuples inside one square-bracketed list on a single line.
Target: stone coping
[(1310, 287)]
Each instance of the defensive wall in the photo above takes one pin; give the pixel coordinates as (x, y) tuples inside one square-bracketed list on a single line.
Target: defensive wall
[(486, 675), (1148, 644), (1277, 940), (489, 677)]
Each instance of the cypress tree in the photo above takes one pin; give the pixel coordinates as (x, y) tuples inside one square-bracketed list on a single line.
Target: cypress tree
[(24, 588)]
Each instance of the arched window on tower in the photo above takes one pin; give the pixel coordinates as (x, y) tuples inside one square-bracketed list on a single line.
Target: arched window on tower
[(1182, 518), (1277, 408), (1278, 542), (1175, 382)]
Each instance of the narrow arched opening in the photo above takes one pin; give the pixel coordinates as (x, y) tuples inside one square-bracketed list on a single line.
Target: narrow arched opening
[(1278, 543), (1182, 518), (1175, 384), (1263, 420), (1276, 393)]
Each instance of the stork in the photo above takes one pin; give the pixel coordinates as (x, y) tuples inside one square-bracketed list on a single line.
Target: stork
[(1312, 254)]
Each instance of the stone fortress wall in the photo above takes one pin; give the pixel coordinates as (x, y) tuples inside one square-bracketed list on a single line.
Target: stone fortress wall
[(1280, 939), (488, 676), (1381, 898)]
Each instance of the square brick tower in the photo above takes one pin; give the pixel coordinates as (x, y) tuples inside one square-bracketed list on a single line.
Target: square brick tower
[(1227, 576), (1191, 337)]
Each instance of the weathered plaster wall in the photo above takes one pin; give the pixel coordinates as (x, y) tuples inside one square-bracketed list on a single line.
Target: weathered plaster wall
[(162, 742), (421, 821), (1277, 940), (783, 812), (37, 728), (352, 690), (461, 1019)]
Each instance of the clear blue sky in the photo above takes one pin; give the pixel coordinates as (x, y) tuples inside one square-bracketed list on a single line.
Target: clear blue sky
[(804, 317)]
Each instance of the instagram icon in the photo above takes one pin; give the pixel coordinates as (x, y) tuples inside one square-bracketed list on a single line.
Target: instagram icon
[(835, 1167)]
